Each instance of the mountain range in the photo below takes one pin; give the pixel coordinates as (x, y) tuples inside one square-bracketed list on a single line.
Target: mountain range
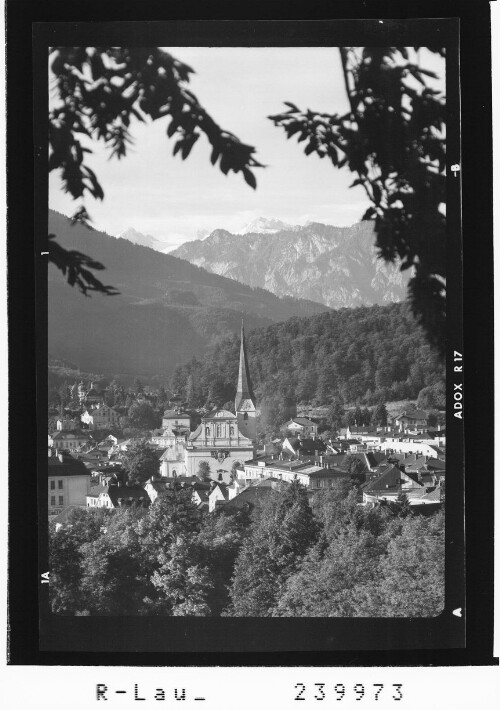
[(168, 309), (335, 266)]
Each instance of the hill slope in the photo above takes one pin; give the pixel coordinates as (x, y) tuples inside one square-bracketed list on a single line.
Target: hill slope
[(336, 266), (364, 354), (168, 310)]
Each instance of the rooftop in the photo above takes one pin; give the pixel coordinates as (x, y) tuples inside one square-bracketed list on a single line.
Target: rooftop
[(117, 493), (67, 467)]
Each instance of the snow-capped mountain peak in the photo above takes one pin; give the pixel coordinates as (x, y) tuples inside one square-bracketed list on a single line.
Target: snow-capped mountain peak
[(264, 225)]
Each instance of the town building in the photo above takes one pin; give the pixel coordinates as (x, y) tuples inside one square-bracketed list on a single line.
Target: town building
[(301, 425), (68, 483), (308, 474), (101, 417), (68, 440), (224, 439), (66, 424), (175, 419), (123, 497), (411, 419), (302, 446), (172, 461)]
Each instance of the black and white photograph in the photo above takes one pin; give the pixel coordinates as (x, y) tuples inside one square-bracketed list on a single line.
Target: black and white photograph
[(246, 415), (249, 348)]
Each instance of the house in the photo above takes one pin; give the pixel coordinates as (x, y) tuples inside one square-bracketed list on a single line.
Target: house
[(68, 440), (411, 419), (94, 493), (308, 474), (356, 432), (217, 496), (68, 483), (200, 497), (391, 482), (175, 418), (101, 416), (90, 454), (422, 500), (170, 437), (66, 424), (172, 462), (326, 478), (123, 497), (411, 444), (94, 395), (298, 446), (61, 519), (301, 425), (250, 497), (155, 487)]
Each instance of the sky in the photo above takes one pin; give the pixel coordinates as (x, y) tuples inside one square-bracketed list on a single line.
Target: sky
[(176, 201)]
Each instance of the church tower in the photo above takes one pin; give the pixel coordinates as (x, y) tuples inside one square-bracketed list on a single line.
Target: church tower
[(244, 402)]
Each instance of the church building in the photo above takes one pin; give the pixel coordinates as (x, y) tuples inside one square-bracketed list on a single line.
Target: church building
[(224, 438)]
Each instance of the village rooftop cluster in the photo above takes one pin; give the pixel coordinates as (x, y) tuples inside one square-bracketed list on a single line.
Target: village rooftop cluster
[(216, 454)]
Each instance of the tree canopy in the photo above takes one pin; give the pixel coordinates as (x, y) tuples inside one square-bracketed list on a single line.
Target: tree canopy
[(369, 354), (140, 463), (293, 555)]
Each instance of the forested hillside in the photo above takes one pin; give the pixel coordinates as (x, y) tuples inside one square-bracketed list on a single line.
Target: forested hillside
[(337, 266), (362, 354), (167, 310)]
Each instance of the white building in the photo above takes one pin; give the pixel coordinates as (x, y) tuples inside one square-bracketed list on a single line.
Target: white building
[(68, 483), (175, 418)]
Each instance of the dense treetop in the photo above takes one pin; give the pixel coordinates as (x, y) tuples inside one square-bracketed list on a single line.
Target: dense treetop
[(367, 355), (289, 557)]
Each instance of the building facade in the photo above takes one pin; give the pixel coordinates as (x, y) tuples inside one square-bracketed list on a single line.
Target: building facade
[(224, 439), (68, 483)]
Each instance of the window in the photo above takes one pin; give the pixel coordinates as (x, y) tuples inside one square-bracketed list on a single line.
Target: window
[(245, 416), (220, 476), (219, 431), (61, 500), (52, 485), (52, 500), (207, 431), (60, 485)]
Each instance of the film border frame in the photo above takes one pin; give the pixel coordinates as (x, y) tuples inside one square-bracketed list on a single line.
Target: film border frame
[(348, 657)]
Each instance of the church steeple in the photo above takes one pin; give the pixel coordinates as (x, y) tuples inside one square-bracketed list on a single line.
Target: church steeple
[(244, 391)]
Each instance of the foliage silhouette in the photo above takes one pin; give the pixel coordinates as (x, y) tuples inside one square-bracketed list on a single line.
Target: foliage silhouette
[(100, 92)]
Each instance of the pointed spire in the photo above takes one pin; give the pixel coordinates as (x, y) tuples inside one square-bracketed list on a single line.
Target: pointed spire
[(244, 390)]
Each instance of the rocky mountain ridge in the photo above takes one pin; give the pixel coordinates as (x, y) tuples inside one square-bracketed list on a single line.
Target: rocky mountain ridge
[(336, 266)]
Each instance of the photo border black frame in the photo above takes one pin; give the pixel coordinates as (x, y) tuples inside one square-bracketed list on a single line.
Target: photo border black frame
[(387, 634)]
